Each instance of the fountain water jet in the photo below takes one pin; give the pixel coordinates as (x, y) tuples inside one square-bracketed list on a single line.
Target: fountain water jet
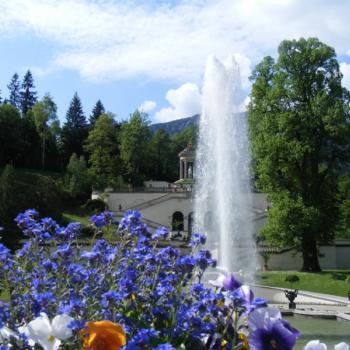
[(223, 200)]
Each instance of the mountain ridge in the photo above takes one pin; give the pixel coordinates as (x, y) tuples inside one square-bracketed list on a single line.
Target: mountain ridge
[(175, 126)]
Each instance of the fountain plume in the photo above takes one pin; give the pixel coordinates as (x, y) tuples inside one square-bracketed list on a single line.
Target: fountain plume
[(223, 200)]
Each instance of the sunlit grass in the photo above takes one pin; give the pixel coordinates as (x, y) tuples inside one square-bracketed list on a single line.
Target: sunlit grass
[(328, 282)]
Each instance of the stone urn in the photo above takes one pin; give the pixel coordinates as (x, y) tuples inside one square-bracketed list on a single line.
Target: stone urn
[(291, 296)]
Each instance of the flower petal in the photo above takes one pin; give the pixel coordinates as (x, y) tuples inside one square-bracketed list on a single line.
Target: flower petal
[(39, 328), (315, 345), (341, 346), (263, 317), (49, 344), (60, 326)]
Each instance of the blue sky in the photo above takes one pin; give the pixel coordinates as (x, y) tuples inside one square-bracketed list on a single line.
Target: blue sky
[(153, 53)]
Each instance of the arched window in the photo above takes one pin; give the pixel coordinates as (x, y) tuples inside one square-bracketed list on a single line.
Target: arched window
[(190, 224), (178, 221)]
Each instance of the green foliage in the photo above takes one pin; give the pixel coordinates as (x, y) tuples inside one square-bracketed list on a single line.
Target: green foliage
[(102, 147), (18, 138), (159, 152), (343, 229), (134, 138), (77, 180), (347, 279), (300, 138), (46, 122)]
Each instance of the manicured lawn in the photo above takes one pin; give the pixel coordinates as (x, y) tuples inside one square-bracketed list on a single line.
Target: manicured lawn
[(328, 281)]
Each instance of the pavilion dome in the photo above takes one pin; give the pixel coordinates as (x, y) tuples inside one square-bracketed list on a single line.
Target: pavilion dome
[(188, 152)]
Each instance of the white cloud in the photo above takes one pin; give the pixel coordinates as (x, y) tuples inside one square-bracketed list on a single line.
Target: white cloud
[(184, 102), (345, 69), (147, 106), (114, 39)]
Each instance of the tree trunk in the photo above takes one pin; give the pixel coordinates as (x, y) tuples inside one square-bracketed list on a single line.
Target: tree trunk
[(310, 254)]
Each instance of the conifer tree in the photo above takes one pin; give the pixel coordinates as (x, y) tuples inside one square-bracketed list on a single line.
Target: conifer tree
[(74, 131), (14, 91), (28, 94), (97, 111)]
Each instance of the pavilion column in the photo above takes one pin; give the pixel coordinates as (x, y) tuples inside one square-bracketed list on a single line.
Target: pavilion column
[(186, 170), (181, 169)]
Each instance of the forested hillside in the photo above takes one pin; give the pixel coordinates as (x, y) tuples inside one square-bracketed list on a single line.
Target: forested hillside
[(46, 164)]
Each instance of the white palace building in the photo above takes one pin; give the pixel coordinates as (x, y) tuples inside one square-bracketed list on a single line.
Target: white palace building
[(172, 205)]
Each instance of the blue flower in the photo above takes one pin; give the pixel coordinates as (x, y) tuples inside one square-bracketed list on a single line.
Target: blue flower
[(231, 283), (198, 238), (161, 233), (164, 347)]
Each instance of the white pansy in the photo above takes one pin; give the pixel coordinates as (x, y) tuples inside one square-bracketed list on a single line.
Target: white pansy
[(263, 317), (50, 334), (219, 282), (315, 345)]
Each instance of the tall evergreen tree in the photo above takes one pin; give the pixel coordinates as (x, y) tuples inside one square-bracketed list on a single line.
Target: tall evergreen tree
[(74, 131), (14, 91), (97, 111), (0, 98), (28, 94)]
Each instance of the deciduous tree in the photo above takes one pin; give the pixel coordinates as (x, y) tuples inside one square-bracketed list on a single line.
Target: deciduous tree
[(46, 121), (134, 138), (300, 136), (102, 147)]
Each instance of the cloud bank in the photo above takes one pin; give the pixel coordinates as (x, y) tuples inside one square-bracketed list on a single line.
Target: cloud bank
[(114, 39), (185, 101)]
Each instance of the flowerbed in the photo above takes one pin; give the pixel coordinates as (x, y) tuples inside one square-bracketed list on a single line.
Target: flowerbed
[(129, 294)]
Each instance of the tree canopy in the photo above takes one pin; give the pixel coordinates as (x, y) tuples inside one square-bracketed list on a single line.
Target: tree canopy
[(300, 138), (102, 147), (134, 138)]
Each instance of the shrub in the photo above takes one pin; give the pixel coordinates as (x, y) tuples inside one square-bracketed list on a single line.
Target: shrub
[(95, 205), (292, 279)]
